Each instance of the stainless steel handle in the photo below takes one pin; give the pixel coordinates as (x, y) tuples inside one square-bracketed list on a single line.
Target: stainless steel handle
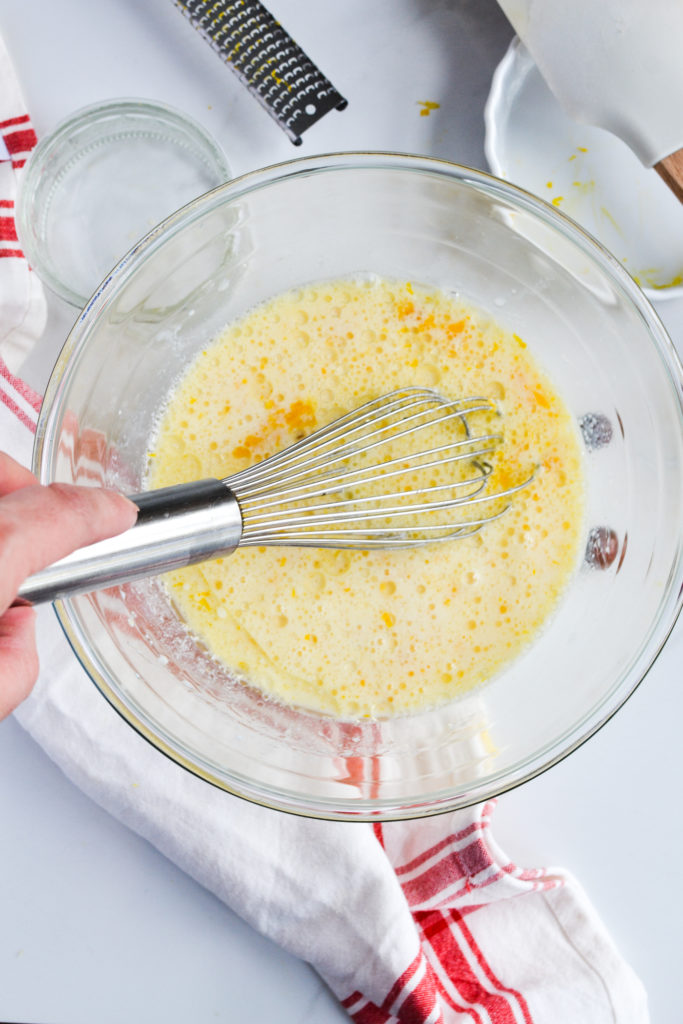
[(176, 526)]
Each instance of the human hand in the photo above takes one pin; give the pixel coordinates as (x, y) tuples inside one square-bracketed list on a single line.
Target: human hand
[(38, 525)]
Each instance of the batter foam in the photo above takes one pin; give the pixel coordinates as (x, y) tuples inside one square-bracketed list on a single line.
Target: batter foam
[(350, 633)]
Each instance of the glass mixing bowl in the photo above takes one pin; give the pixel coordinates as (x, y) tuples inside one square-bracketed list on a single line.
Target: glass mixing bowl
[(539, 274)]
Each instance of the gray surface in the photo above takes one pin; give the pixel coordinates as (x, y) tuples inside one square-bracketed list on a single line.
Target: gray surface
[(94, 924)]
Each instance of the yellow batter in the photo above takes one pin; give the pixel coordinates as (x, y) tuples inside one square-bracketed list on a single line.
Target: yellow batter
[(372, 633)]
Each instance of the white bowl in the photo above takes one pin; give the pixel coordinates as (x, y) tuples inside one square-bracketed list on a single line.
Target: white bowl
[(587, 173)]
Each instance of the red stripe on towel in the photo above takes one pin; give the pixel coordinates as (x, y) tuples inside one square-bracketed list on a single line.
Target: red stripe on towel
[(19, 413), (421, 1002), (21, 119), (462, 978), (20, 141), (426, 855), (21, 387), (513, 993), (8, 231), (370, 1014)]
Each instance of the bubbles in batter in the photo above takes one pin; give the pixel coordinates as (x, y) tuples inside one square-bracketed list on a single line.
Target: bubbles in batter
[(351, 633)]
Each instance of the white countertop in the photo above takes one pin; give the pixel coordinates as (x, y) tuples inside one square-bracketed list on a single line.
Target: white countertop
[(95, 925)]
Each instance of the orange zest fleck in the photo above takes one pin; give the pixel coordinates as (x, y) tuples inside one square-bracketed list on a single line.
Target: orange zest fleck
[(541, 399), (299, 418), (455, 328)]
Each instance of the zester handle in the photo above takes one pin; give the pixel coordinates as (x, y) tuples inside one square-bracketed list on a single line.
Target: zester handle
[(176, 526)]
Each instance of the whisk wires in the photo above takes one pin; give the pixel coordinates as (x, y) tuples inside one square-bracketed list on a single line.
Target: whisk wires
[(402, 470)]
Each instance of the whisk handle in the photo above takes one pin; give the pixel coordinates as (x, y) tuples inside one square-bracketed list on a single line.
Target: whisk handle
[(176, 526)]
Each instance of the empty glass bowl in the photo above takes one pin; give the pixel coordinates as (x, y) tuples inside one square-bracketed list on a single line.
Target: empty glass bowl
[(101, 180), (539, 274)]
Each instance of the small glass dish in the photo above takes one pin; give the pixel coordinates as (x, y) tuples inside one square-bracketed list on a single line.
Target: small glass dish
[(98, 183)]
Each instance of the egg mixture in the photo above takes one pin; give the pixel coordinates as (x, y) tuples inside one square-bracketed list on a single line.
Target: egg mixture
[(372, 633)]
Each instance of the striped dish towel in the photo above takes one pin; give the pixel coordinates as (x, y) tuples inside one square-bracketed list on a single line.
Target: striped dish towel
[(22, 300), (420, 923)]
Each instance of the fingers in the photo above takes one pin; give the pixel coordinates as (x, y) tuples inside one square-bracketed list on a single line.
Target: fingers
[(13, 476), (18, 657), (39, 524)]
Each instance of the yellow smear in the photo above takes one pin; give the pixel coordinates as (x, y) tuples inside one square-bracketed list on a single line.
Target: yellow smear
[(604, 212), (427, 107), (673, 283), (650, 279)]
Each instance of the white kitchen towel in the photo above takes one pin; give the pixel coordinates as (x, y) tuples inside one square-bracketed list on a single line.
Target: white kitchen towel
[(423, 922)]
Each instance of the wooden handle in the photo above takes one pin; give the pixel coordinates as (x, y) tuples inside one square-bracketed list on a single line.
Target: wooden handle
[(671, 170)]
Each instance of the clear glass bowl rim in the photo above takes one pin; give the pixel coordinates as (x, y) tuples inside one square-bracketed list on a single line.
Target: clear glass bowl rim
[(496, 783)]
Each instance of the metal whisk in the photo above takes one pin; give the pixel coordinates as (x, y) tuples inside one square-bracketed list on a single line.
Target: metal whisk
[(403, 470)]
